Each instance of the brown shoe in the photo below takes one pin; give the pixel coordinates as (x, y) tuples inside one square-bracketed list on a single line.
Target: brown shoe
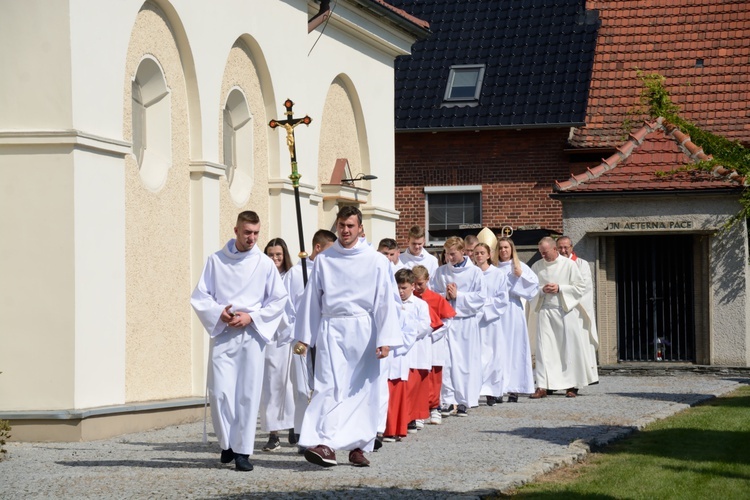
[(321, 455), (539, 394), (357, 458), (571, 393)]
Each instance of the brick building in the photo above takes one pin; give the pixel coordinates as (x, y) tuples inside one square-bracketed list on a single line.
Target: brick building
[(484, 109), (554, 83)]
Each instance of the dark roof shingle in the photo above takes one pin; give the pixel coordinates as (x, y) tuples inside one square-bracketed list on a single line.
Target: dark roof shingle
[(538, 57)]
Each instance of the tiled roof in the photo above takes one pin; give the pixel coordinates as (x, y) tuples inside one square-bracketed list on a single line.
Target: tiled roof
[(702, 47), (538, 56), (644, 163)]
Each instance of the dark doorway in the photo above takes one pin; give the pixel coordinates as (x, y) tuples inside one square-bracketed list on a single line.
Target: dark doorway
[(655, 298)]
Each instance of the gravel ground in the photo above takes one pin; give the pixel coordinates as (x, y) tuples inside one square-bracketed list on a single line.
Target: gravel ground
[(493, 449)]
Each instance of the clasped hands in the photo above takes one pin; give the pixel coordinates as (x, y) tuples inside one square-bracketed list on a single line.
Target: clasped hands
[(551, 288), (235, 320)]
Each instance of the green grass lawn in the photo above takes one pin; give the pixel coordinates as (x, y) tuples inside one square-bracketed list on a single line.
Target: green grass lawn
[(702, 453)]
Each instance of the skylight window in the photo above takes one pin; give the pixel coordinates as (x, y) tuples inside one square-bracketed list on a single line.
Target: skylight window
[(464, 82)]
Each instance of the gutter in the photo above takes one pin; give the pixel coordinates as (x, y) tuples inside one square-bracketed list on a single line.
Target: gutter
[(420, 32), (488, 128)]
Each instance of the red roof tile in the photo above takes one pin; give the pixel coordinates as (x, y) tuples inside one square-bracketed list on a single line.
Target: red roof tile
[(419, 22), (646, 161), (670, 38)]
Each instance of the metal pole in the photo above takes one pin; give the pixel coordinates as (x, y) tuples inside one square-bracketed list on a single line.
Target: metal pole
[(289, 123), (300, 230)]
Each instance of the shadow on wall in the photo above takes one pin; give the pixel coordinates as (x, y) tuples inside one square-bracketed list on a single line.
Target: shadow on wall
[(729, 263)]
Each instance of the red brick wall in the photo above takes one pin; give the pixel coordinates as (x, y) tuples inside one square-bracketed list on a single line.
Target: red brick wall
[(516, 168)]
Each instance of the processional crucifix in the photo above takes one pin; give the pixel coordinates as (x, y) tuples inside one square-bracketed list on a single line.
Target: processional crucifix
[(289, 123)]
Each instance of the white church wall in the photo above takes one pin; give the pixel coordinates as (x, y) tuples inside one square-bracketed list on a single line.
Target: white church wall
[(339, 138), (37, 97), (99, 36), (37, 302), (366, 83), (107, 260), (99, 242)]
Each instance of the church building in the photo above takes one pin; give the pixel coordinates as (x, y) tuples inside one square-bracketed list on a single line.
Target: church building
[(132, 133)]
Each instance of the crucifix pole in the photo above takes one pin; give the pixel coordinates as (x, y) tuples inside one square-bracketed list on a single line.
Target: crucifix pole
[(289, 123)]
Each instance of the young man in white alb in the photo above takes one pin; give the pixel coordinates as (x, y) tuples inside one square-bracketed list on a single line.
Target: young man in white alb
[(240, 300), (349, 314), (462, 283)]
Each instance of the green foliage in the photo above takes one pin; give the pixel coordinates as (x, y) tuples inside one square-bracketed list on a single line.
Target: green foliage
[(4, 435), (699, 453), (655, 102), (655, 98)]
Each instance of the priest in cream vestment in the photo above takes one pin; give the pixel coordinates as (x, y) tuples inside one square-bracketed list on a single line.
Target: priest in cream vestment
[(555, 318)]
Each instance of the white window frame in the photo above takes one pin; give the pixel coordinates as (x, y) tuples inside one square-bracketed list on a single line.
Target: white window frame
[(428, 190), (452, 77)]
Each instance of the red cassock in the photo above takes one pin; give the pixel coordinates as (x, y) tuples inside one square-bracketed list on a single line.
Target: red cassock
[(440, 309), (399, 409)]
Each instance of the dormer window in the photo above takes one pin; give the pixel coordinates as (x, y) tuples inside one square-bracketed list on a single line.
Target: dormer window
[(464, 82)]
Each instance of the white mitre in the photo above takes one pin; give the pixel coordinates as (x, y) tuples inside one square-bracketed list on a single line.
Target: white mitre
[(487, 237)]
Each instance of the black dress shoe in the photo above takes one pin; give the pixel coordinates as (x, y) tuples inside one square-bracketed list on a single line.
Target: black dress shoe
[(227, 456), (293, 438), (242, 463), (491, 400)]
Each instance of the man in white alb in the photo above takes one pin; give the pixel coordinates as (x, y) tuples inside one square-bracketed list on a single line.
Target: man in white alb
[(349, 314), (462, 283), (240, 300), (416, 255)]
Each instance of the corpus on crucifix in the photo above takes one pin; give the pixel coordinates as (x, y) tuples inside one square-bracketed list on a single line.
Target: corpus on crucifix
[(289, 124)]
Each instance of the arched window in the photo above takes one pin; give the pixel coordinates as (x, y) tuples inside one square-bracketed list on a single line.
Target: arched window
[(152, 124), (238, 146)]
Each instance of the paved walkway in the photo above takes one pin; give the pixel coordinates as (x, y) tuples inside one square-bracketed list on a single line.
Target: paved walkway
[(493, 449)]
